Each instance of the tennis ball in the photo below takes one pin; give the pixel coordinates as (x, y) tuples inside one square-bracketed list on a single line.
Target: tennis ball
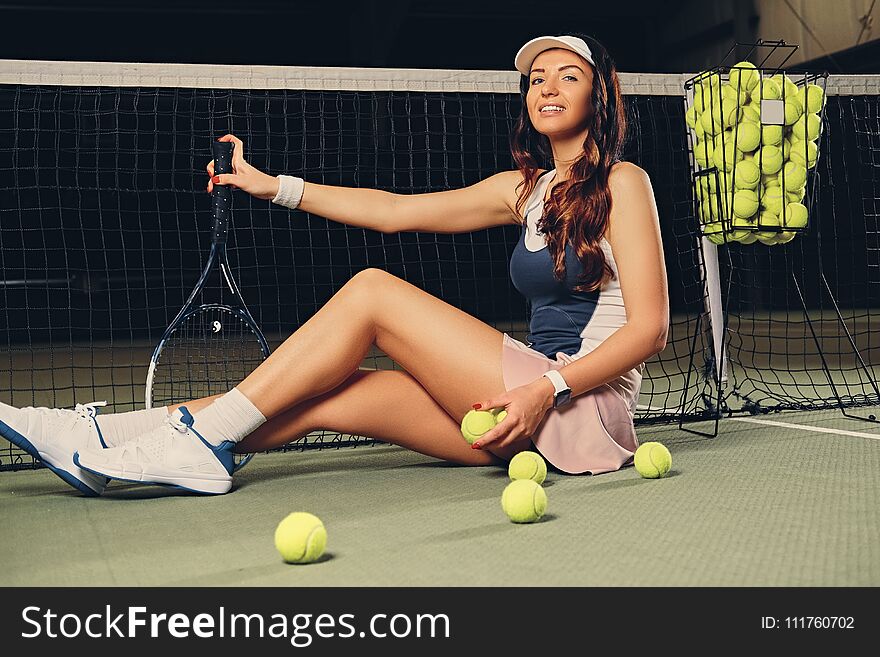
[(805, 153), (786, 148), (745, 203), (785, 237), (527, 465), (812, 98), (724, 158), (703, 152), (788, 89), (793, 176), (770, 158), (711, 121), (771, 135), (717, 238), (713, 229), (773, 199), (750, 114), (690, 116), (744, 75), (740, 228), (712, 182), (739, 96), (793, 109), (747, 174), (796, 215), (807, 127), (770, 89), (767, 225), (749, 238), (524, 501), (748, 136), (653, 460), (300, 538), (475, 423)]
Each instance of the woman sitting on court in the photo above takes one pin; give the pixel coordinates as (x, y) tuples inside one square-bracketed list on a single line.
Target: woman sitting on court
[(589, 260)]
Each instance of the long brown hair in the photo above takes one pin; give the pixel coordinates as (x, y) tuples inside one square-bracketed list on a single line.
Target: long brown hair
[(578, 209)]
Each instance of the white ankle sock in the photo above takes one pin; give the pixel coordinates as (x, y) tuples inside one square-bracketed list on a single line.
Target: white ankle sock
[(117, 428), (231, 417)]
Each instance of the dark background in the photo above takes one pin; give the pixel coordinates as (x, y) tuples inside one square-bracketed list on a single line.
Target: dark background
[(642, 35)]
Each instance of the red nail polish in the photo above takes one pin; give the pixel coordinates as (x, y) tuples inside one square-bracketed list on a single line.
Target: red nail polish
[(477, 406), (475, 446), (215, 179)]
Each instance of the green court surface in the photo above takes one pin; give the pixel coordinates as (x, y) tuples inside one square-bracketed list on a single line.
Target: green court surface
[(760, 505)]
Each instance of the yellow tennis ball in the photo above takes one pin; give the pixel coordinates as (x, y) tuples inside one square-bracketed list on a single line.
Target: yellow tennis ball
[(771, 135), (653, 460), (724, 158), (744, 75), (785, 237), (710, 121), (747, 174), (300, 538), (745, 203), (475, 423), (796, 215), (805, 153), (750, 114), (793, 109), (770, 89), (717, 238), (793, 176), (748, 136), (739, 96), (770, 158), (767, 224), (527, 465), (748, 238), (703, 152), (773, 199), (524, 500), (812, 98), (690, 116), (807, 127), (741, 228)]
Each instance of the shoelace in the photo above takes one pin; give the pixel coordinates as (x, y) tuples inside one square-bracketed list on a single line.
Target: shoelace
[(90, 410), (177, 424)]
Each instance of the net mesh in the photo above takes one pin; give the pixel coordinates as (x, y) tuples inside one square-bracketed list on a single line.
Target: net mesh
[(105, 224)]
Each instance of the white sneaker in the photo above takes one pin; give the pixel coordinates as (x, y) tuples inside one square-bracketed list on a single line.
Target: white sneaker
[(53, 435), (174, 454)]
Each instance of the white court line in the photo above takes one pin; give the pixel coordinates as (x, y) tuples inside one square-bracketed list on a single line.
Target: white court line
[(788, 425)]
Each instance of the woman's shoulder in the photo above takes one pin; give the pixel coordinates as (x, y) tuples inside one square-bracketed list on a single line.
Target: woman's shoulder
[(626, 174)]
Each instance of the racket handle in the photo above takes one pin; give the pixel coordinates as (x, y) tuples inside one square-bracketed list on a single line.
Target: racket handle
[(222, 194)]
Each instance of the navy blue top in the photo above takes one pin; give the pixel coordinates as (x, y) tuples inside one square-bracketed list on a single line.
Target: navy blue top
[(558, 313)]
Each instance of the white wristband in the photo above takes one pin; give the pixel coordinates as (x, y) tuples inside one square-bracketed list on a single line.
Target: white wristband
[(290, 191)]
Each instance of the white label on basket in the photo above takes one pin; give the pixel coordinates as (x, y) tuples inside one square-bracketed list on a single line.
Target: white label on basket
[(772, 112)]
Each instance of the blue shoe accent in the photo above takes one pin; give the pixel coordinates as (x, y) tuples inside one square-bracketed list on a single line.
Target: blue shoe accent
[(98, 428), (21, 442), (222, 452)]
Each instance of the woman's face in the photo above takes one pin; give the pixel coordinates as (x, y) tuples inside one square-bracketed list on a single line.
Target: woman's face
[(562, 79)]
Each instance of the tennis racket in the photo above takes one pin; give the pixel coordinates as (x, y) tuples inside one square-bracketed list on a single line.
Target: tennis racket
[(213, 342)]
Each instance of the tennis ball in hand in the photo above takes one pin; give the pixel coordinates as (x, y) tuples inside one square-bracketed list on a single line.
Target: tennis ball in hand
[(527, 465), (793, 176), (524, 501), (653, 460), (748, 136), (475, 423), (300, 538)]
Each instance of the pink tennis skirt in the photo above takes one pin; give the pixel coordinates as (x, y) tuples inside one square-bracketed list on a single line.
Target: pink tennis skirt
[(592, 434)]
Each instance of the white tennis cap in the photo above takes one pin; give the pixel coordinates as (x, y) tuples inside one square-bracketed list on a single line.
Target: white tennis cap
[(535, 47)]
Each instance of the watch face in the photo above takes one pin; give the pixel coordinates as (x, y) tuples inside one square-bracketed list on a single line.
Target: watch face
[(562, 398)]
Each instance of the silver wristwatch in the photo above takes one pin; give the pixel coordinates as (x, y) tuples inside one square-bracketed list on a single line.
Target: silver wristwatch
[(562, 393)]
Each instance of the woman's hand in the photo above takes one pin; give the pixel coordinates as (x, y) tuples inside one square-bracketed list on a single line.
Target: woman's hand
[(244, 177), (526, 406)]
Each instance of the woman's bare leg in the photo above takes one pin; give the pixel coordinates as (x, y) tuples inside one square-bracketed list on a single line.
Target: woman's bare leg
[(388, 405), (455, 357)]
